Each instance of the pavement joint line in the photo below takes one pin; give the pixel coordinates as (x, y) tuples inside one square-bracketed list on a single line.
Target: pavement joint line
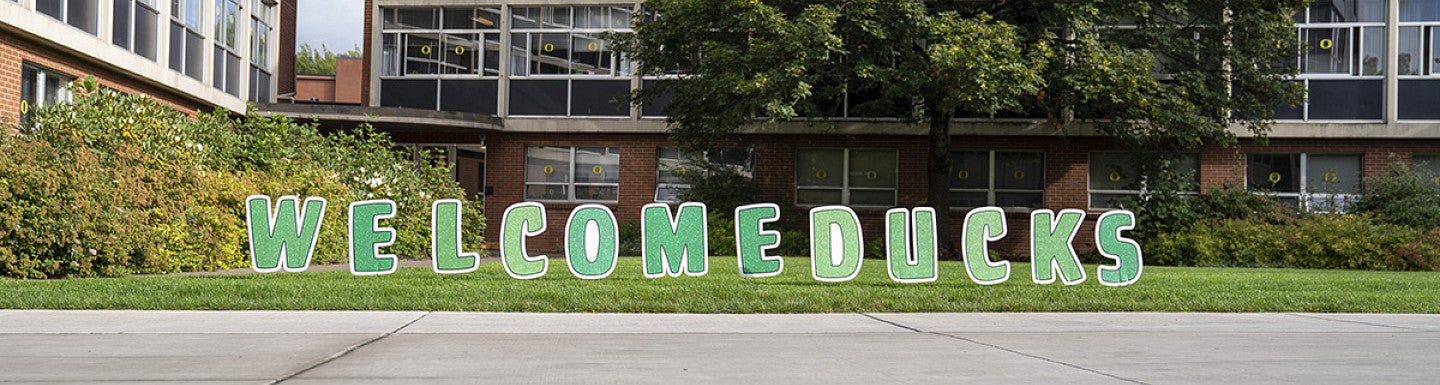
[(348, 350), (1316, 317), (891, 323), (1042, 358)]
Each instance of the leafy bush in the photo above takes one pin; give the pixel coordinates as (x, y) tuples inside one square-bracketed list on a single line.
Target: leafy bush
[(1402, 197), (1317, 241), (114, 184)]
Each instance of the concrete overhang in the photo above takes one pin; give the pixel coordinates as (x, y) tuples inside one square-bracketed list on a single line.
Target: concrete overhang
[(387, 118)]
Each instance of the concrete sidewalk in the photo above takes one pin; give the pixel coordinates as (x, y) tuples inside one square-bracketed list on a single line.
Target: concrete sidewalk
[(419, 347)]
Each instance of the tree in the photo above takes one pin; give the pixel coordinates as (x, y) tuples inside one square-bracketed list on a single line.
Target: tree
[(740, 62), (311, 61)]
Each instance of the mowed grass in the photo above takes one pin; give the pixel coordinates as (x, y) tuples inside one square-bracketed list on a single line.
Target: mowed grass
[(1167, 289)]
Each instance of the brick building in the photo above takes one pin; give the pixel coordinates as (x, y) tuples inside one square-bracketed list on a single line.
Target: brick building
[(194, 55), (541, 74)]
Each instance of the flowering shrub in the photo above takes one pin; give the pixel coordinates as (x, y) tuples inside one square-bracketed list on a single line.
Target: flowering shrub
[(114, 184)]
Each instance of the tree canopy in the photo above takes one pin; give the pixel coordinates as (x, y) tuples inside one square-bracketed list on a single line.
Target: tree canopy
[(1158, 76), (319, 61)]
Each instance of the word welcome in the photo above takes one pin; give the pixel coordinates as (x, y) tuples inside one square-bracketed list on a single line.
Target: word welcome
[(677, 243)]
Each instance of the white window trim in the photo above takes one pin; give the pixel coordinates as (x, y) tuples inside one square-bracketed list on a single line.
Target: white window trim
[(571, 185), (1304, 197), (845, 187), (991, 192)]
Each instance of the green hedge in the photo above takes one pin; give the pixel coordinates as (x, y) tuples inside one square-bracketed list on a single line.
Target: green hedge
[(114, 184)]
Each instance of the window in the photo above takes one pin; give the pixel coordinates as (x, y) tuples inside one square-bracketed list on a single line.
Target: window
[(40, 87), (1343, 60), (227, 57), (858, 177), (1419, 59), (135, 27), (672, 166), (1009, 179), (1315, 182), (187, 44), (82, 14), (1428, 165), (260, 70), (572, 174), (441, 58), (1113, 178), (563, 66)]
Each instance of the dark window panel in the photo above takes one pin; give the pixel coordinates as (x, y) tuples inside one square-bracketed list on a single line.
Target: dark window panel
[(1347, 99), (600, 98), (538, 97), (656, 107), (477, 96), (1419, 99), (417, 94), (1273, 172)]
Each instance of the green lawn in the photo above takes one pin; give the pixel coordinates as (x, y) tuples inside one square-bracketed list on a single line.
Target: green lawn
[(723, 291)]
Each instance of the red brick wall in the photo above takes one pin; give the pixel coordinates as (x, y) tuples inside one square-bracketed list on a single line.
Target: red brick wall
[(365, 52), (1066, 174), (15, 50), (315, 88), (348, 80), (285, 61)]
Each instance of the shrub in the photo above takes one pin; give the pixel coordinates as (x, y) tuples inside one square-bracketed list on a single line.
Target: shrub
[(113, 184), (1402, 197), (1317, 241)]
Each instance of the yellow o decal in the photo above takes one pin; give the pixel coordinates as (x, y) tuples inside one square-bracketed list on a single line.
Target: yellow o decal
[(1114, 176), (1331, 177), (1019, 175), (963, 175), (548, 170), (593, 46), (549, 47), (425, 50), (1275, 177), (597, 170), (871, 175), (24, 106), (459, 50), (821, 174), (1326, 43), (681, 171), (1437, 180)]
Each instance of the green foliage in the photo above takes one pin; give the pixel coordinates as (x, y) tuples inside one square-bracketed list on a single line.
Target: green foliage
[(113, 184), (312, 61), (1318, 241), (1402, 197)]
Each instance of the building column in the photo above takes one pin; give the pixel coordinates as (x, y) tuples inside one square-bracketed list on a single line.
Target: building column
[(1392, 62)]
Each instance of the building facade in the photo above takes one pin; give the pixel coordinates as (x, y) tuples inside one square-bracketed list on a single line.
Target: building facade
[(544, 71), (192, 54)]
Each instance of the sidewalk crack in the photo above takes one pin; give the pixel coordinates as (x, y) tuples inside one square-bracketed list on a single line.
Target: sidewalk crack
[(347, 351), (1322, 318), (895, 324), (1046, 359)]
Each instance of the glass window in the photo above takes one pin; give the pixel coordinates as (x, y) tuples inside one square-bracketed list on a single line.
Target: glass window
[(572, 173), (1010, 179), (1411, 58), (1428, 165), (1419, 10), (1113, 178), (187, 44), (82, 14), (567, 43), (859, 177), (1327, 50), (1347, 11), (1315, 182), (672, 167), (41, 87)]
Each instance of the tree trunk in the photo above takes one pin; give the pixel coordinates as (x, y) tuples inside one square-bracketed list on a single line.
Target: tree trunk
[(938, 176)]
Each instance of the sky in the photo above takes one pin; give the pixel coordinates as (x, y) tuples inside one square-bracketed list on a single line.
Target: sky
[(334, 23)]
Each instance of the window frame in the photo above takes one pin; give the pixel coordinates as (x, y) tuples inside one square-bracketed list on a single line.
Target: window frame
[(1355, 32), (1431, 166), (1305, 199), (570, 184), (399, 60), (181, 14), (748, 170), (991, 191), (1091, 191), (845, 187), (40, 98), (64, 16)]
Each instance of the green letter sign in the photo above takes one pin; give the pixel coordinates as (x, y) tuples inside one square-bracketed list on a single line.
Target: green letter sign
[(285, 235), (1126, 252), (982, 226), (836, 244), (1050, 252), (521, 220), (752, 240), (672, 245), (366, 237), (592, 241), (447, 254), (911, 245)]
